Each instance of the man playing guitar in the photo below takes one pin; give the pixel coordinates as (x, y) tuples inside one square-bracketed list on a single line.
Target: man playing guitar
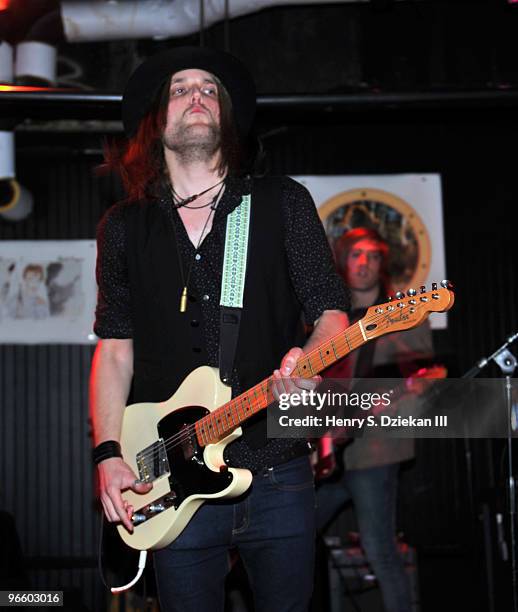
[(187, 113)]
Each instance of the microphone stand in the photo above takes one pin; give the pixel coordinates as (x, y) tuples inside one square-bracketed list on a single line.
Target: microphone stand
[(507, 363)]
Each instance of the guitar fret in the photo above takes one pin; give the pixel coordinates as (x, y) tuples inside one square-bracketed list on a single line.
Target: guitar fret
[(211, 426), (310, 367), (322, 358), (231, 416), (199, 431), (347, 340), (238, 414), (264, 391), (216, 422), (251, 407)]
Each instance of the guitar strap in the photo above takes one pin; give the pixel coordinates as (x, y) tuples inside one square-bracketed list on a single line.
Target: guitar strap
[(233, 285)]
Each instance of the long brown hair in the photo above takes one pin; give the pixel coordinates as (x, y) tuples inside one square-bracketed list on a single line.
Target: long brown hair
[(140, 162)]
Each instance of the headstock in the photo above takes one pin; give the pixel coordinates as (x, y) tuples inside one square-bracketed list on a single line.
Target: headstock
[(407, 311)]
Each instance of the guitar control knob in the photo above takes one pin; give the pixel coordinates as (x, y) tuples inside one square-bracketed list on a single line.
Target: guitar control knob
[(400, 295), (137, 518), (434, 286), (411, 292)]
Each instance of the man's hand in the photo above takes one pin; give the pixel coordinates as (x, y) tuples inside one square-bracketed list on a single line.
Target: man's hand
[(282, 381), (116, 476)]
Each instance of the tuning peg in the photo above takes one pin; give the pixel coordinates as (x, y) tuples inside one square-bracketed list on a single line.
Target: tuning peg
[(411, 292), (400, 295), (446, 284), (389, 298), (434, 286), (423, 289)]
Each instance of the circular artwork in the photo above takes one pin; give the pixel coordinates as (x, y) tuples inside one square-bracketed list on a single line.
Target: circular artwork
[(394, 219)]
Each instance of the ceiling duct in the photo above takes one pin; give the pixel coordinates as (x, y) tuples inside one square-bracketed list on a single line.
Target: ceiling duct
[(133, 19), (6, 62), (35, 63), (15, 200)]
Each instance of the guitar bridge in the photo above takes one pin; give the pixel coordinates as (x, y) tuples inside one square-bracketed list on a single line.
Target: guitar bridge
[(152, 462)]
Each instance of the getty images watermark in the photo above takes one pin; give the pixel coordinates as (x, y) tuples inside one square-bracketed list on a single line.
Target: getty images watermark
[(378, 403), (434, 408)]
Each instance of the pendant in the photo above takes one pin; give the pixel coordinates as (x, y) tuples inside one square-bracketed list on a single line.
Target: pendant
[(183, 300)]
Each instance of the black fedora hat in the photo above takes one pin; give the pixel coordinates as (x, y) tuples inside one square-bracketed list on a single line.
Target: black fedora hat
[(147, 80)]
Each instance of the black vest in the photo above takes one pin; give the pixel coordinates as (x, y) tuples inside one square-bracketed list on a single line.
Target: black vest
[(164, 338)]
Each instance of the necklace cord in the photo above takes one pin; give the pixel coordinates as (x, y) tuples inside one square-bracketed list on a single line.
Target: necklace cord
[(179, 202), (213, 205)]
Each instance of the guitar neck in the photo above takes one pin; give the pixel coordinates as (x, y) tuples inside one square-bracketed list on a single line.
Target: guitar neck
[(225, 419)]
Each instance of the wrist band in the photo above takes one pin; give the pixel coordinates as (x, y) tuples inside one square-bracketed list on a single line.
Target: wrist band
[(106, 450)]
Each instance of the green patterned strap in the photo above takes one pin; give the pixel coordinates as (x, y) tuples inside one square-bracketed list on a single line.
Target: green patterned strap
[(236, 249)]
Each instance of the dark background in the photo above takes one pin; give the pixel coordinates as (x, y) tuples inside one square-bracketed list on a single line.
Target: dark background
[(367, 50)]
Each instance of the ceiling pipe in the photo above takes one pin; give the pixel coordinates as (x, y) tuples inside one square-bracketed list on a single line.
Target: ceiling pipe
[(133, 19), (35, 63), (36, 54), (15, 200), (6, 62)]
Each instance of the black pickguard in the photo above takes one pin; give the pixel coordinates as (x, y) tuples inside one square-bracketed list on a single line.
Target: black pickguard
[(189, 473)]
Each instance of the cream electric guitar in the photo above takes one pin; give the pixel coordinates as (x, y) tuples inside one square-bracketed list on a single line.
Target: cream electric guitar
[(178, 445)]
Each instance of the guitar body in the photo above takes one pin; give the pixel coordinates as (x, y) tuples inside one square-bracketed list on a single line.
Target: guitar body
[(183, 473)]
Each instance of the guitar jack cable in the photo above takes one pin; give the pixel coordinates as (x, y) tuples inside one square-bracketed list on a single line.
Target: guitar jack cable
[(141, 566)]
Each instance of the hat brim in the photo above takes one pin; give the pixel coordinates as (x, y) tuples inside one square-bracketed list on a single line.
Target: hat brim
[(146, 81)]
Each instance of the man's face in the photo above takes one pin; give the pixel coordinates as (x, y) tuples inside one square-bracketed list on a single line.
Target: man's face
[(193, 115), (32, 280), (363, 265)]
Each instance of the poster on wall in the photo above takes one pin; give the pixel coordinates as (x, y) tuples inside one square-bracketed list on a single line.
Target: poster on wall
[(405, 209), (47, 291)]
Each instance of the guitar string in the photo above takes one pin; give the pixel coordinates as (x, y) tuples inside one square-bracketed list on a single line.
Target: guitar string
[(186, 433)]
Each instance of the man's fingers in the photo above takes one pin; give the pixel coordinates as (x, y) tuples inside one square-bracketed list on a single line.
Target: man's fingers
[(118, 504), (141, 487), (109, 510), (290, 361), (280, 384)]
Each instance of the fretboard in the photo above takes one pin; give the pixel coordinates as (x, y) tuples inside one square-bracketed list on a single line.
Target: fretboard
[(225, 419)]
